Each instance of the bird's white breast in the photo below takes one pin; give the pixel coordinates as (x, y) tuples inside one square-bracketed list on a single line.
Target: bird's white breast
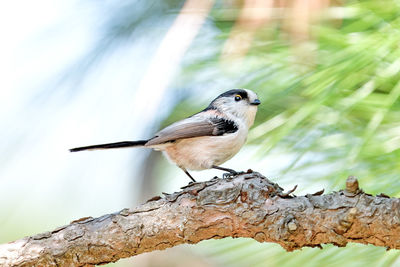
[(201, 153)]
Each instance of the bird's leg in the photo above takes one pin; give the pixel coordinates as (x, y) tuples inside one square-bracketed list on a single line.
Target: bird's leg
[(225, 175), (188, 174)]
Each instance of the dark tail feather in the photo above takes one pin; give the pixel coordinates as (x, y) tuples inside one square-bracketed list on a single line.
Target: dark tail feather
[(110, 145)]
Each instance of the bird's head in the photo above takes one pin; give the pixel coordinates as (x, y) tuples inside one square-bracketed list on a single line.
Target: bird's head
[(240, 103)]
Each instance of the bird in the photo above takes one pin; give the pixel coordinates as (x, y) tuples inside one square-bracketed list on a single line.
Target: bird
[(206, 139)]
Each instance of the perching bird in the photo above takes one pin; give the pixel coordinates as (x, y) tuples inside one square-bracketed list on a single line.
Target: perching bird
[(206, 139)]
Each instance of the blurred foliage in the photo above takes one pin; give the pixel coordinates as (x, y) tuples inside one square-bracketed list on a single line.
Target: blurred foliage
[(247, 252), (330, 98)]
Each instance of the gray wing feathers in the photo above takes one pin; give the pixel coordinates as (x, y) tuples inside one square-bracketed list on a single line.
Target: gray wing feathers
[(184, 129)]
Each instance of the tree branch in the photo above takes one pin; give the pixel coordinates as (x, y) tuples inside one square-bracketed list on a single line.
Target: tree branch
[(248, 205)]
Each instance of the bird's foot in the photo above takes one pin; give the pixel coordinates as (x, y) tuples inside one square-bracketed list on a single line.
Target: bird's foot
[(228, 175), (232, 174), (229, 172)]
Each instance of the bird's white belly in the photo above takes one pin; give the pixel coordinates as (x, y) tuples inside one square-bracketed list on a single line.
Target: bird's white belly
[(201, 153)]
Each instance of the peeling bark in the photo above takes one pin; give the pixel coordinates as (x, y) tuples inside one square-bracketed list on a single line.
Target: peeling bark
[(248, 205)]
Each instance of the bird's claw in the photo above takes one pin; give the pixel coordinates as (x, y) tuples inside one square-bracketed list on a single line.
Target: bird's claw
[(231, 174), (227, 175)]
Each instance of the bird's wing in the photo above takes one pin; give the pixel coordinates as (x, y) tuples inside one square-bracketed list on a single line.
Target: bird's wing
[(193, 127)]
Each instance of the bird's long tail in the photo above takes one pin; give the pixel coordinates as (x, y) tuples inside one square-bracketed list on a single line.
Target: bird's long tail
[(111, 145)]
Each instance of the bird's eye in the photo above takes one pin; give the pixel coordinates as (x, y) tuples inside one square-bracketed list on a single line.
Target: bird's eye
[(238, 97)]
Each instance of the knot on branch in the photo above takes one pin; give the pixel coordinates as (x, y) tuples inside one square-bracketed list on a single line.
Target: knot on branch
[(346, 221), (352, 186), (292, 226)]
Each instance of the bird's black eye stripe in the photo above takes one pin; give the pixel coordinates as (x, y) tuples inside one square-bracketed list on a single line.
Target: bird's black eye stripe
[(234, 92)]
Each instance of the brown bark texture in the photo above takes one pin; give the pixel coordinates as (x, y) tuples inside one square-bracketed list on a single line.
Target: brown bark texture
[(248, 205)]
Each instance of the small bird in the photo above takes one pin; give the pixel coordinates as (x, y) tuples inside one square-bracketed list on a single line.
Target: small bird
[(206, 139)]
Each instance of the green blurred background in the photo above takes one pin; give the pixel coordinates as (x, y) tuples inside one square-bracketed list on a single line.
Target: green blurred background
[(85, 72)]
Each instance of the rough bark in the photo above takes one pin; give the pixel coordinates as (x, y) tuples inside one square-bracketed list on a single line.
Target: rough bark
[(248, 205)]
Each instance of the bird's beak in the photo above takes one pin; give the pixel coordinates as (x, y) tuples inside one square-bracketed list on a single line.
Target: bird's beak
[(256, 102)]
